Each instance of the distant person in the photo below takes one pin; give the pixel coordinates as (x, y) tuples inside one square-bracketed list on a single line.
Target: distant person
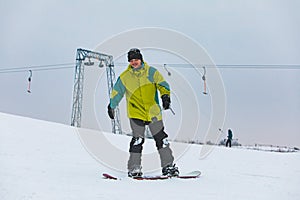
[(229, 138), (140, 84)]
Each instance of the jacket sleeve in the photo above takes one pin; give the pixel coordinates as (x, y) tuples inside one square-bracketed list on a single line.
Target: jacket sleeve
[(117, 93), (161, 84)]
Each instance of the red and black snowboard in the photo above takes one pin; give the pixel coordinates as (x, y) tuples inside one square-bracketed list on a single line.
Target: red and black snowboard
[(190, 175)]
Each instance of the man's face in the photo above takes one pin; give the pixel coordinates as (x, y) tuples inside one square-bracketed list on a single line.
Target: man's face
[(135, 63)]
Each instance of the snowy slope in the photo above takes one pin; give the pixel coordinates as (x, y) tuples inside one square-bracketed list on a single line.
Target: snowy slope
[(43, 160)]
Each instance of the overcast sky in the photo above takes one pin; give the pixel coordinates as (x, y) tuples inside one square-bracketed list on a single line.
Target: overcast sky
[(263, 105)]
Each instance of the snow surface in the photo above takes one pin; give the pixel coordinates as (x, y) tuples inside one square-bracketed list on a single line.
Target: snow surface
[(44, 160)]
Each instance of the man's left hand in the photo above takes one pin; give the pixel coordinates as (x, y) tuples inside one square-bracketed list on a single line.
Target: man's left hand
[(166, 101)]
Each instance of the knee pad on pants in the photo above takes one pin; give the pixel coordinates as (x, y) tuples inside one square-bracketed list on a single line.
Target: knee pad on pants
[(161, 139), (136, 144)]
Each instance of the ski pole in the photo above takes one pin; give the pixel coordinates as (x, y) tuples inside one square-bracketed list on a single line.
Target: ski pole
[(172, 111)]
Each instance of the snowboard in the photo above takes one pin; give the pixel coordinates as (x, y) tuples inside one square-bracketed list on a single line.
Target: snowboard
[(190, 175)]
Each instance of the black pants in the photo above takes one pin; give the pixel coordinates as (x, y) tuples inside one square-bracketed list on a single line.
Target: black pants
[(228, 143)]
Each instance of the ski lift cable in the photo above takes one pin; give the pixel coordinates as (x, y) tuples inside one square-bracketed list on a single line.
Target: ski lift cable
[(36, 69), (179, 65), (175, 65), (239, 66), (228, 66)]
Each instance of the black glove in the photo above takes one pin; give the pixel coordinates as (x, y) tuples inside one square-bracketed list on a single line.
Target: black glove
[(111, 112), (166, 101)]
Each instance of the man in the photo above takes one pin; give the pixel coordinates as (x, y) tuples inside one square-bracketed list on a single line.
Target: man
[(229, 138), (140, 82)]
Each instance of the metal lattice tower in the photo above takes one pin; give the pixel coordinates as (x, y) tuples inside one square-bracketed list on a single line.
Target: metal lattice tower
[(105, 60)]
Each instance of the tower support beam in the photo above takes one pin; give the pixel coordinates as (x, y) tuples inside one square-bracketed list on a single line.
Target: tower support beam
[(105, 60)]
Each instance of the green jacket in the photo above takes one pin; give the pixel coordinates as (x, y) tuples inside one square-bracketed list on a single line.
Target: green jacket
[(140, 86)]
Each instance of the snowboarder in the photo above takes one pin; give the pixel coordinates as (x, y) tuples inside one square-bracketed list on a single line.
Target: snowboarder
[(140, 82), (229, 138)]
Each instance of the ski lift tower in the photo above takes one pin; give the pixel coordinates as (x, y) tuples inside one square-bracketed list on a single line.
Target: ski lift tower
[(105, 60)]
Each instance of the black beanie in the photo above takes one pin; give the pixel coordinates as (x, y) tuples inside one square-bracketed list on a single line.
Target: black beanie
[(134, 54)]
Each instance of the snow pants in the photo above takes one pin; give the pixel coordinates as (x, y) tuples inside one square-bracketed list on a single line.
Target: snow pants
[(136, 145), (228, 143)]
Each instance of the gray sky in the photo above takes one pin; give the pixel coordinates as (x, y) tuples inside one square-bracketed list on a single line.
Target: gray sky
[(263, 105)]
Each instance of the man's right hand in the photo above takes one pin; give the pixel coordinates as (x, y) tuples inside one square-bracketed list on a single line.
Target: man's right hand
[(111, 112)]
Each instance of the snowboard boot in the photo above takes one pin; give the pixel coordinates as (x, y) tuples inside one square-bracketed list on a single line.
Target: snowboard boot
[(170, 170), (135, 172)]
